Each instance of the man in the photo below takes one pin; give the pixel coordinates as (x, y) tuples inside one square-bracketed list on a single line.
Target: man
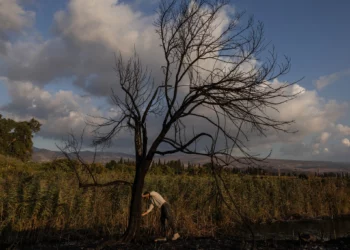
[(166, 214)]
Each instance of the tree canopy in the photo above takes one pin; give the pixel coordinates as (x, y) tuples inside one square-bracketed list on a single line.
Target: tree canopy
[(16, 137)]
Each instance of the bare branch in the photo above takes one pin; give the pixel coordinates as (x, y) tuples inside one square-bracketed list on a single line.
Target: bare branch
[(72, 152)]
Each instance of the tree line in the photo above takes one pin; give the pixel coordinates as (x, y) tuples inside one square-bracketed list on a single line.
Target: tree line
[(177, 167)]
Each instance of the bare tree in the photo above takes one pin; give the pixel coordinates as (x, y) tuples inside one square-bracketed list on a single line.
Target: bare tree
[(217, 71)]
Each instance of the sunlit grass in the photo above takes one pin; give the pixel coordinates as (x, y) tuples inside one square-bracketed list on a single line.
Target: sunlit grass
[(44, 199)]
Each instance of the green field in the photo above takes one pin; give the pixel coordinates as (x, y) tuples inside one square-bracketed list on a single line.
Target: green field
[(42, 200)]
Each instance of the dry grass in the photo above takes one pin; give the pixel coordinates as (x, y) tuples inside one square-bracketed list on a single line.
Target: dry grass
[(38, 201)]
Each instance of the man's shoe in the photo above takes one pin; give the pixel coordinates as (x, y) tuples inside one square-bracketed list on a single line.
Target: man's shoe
[(160, 239), (176, 236)]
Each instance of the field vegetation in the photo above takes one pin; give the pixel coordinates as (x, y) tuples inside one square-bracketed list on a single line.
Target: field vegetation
[(41, 201)]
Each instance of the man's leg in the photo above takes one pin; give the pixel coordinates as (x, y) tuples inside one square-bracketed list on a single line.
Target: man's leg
[(163, 216), (162, 225), (171, 223), (170, 219)]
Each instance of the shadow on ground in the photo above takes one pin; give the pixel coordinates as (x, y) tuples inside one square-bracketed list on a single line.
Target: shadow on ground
[(209, 243)]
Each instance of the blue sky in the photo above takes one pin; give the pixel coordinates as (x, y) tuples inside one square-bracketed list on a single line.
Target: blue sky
[(313, 33)]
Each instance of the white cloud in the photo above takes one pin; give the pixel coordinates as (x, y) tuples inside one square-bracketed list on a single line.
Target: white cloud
[(324, 137), (324, 81), (311, 113), (86, 36), (109, 23), (313, 116), (343, 129), (346, 142), (13, 18), (59, 112), (316, 149)]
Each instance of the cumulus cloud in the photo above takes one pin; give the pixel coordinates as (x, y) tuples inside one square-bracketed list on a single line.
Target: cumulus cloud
[(343, 129), (317, 118), (39, 61), (109, 23), (59, 113), (324, 81), (28, 99), (346, 142), (324, 137), (86, 36), (13, 18), (323, 146), (311, 114)]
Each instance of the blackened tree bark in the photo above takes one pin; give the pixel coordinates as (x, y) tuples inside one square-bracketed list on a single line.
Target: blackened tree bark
[(134, 223)]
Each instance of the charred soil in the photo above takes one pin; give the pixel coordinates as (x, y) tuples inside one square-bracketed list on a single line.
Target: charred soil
[(205, 243)]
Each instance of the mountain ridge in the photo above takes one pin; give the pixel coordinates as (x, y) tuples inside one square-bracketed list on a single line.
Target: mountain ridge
[(272, 165)]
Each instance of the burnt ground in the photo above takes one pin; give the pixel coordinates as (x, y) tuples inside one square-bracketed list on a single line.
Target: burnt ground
[(208, 243)]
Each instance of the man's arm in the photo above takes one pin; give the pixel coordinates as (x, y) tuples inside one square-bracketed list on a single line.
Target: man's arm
[(149, 210)]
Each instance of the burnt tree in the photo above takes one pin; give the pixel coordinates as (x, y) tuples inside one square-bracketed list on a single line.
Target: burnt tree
[(217, 72)]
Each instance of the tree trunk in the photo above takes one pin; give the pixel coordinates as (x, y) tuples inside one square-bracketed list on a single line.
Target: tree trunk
[(133, 230)]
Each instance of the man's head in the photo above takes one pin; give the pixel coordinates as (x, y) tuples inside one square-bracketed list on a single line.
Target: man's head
[(146, 194)]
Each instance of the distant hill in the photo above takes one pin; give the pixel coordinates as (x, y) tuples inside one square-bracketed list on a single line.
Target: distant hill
[(44, 155), (272, 165)]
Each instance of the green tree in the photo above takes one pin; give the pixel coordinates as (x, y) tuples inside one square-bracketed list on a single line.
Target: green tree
[(16, 137), (111, 165)]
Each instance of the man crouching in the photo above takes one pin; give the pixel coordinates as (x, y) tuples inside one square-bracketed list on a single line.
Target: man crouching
[(166, 213)]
